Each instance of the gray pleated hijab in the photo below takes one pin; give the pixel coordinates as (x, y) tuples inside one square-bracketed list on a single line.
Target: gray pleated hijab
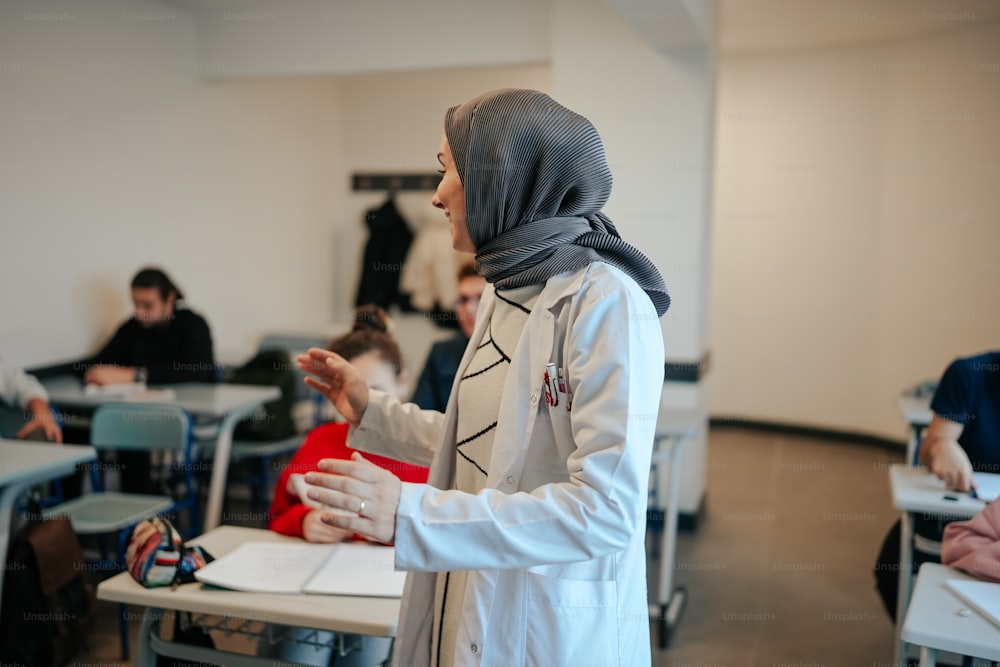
[(535, 179)]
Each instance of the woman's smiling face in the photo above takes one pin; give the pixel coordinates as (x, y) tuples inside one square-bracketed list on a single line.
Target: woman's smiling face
[(450, 198)]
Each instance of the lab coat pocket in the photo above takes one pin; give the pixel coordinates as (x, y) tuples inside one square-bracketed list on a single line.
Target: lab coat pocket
[(568, 619), (556, 427)]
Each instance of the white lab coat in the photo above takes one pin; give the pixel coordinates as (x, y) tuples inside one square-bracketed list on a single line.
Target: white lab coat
[(555, 541), (17, 388)]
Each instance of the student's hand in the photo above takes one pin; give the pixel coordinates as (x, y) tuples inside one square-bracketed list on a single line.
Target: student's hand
[(109, 374), (314, 530), (41, 420), (360, 487), (338, 380), (44, 423), (951, 464), (941, 452)]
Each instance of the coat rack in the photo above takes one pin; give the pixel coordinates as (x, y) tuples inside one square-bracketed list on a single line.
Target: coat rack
[(395, 182)]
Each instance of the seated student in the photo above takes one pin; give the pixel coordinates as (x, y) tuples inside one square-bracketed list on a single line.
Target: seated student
[(434, 385), (963, 436), (974, 545), (374, 352), (24, 407), (162, 343)]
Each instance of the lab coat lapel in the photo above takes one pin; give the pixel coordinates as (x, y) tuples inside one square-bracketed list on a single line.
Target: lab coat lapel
[(522, 393)]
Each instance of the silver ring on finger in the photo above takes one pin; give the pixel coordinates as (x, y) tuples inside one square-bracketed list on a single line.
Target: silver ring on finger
[(361, 510)]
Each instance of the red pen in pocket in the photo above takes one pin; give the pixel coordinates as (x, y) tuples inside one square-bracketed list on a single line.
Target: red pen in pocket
[(551, 386)]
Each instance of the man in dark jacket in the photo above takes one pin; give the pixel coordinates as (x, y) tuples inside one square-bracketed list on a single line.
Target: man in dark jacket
[(434, 385), (161, 344)]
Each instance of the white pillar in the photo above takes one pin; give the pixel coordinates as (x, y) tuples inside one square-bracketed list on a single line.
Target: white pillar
[(649, 88)]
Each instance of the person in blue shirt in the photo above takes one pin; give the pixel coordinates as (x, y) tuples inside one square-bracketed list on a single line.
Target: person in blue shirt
[(434, 385), (963, 437), (964, 434)]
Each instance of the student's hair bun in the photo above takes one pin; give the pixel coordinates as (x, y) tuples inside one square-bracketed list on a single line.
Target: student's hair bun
[(372, 318), (372, 332)]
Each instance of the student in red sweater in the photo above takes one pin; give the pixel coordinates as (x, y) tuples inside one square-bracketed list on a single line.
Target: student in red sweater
[(370, 347), (299, 517), (373, 351)]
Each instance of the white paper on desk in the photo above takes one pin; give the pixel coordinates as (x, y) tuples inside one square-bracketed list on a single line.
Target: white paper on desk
[(152, 396), (987, 485), (358, 569), (302, 487), (118, 389), (300, 567), (983, 596), (266, 567)]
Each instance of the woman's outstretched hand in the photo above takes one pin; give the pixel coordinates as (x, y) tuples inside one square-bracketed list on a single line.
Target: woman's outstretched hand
[(369, 495), (338, 380)]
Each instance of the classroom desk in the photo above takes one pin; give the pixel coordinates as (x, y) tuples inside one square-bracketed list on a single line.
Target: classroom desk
[(343, 614), (23, 464), (933, 621), (917, 412), (673, 427), (914, 489), (226, 402)]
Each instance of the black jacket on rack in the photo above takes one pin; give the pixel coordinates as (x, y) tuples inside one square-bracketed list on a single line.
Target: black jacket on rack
[(389, 240)]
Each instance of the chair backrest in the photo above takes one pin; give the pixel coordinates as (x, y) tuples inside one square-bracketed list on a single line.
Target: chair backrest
[(151, 427), (295, 345), (140, 426)]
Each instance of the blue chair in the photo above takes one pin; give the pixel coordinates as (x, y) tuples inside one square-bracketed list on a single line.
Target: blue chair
[(134, 427)]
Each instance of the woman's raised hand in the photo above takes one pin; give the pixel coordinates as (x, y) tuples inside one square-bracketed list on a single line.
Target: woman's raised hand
[(338, 380)]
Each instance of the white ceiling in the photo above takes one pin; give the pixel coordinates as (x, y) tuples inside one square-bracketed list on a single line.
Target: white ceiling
[(772, 25)]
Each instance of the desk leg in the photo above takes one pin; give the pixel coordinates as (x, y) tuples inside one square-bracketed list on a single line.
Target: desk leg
[(913, 445), (928, 657), (144, 653), (905, 581), (669, 600), (220, 467)]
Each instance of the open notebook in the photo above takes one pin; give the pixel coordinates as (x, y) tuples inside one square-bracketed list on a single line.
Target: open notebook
[(136, 392), (983, 596), (347, 568)]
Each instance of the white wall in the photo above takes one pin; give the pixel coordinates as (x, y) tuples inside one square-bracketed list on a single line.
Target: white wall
[(855, 243), (654, 110), (114, 153), (654, 113)]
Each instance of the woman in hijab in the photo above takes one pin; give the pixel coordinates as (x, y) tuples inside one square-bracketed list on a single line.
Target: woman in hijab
[(526, 546)]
